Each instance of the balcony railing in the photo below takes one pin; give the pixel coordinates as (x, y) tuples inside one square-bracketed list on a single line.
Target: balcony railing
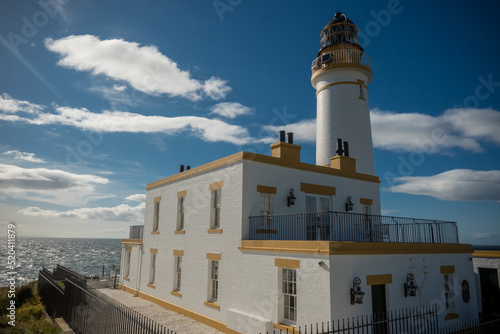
[(343, 56), (341, 226)]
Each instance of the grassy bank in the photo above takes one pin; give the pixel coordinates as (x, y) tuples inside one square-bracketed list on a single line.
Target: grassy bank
[(29, 315)]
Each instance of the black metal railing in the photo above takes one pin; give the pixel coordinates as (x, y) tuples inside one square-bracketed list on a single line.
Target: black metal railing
[(88, 311), (341, 226), (415, 320)]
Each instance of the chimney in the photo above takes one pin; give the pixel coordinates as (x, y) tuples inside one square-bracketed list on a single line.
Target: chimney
[(346, 149), (287, 151), (282, 135), (181, 169), (339, 151)]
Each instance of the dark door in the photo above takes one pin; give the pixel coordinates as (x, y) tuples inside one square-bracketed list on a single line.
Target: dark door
[(490, 292), (379, 309)]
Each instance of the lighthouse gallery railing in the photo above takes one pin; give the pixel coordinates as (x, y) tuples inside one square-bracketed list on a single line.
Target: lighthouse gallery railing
[(341, 226), (342, 56)]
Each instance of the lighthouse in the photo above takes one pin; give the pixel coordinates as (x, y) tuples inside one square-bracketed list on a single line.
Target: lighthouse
[(341, 73)]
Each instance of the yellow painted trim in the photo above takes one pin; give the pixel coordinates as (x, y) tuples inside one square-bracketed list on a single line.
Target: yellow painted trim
[(266, 189), (129, 248), (216, 185), (152, 285), (180, 232), (378, 279), (178, 252), (176, 293), (286, 328), (351, 248), (361, 98), (157, 199), (486, 253), (214, 256), (341, 65), (366, 201), (265, 231), (126, 278), (335, 84), (212, 305), (132, 241), (447, 270), (155, 232), (182, 193), (287, 263), (262, 159), (317, 189), (181, 310), (153, 250), (451, 316), (214, 230)]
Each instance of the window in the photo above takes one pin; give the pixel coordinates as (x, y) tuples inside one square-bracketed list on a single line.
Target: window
[(214, 281), (152, 269), (361, 91), (178, 270), (156, 218), (215, 218), (289, 290), (265, 209), (128, 254), (449, 296), (180, 213)]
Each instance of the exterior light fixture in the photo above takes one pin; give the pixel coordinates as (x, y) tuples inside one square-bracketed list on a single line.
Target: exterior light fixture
[(410, 286), (349, 204), (356, 293), (290, 200)]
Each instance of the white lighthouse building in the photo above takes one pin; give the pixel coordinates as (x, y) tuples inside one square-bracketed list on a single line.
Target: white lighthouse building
[(252, 243), (341, 74)]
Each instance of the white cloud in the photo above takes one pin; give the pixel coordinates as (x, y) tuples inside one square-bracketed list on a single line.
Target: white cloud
[(406, 132), (230, 109), (48, 185), (475, 123), (137, 198), (24, 156), (11, 106), (121, 213), (143, 67), (486, 235), (453, 185), (98, 197), (304, 131), (211, 130)]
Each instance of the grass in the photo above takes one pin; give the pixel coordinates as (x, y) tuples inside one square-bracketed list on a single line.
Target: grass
[(30, 316)]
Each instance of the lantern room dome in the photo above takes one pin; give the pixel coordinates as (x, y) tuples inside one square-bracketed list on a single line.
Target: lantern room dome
[(340, 30)]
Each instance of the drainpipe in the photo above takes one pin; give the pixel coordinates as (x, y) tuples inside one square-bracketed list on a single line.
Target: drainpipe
[(139, 263), (122, 261)]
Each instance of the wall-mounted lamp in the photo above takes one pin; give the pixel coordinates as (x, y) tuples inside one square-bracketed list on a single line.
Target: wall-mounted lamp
[(290, 200), (349, 204), (410, 286), (356, 293)]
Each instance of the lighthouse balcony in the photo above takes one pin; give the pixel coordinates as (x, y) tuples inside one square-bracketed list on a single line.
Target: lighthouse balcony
[(341, 57), (341, 226)]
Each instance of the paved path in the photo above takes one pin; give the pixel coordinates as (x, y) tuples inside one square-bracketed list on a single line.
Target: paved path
[(172, 320)]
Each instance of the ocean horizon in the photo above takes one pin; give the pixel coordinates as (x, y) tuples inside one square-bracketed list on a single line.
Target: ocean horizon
[(86, 256)]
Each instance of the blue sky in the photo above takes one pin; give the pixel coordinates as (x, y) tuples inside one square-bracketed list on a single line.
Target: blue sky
[(97, 99)]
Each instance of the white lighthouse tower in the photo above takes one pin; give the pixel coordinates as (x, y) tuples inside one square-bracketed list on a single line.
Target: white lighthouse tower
[(340, 75)]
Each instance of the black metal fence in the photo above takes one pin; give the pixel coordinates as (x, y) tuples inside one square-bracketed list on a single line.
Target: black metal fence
[(417, 320), (87, 311), (341, 226)]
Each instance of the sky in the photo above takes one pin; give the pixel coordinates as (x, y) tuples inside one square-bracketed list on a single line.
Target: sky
[(100, 98)]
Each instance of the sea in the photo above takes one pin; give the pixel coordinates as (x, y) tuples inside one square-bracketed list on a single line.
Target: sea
[(85, 256)]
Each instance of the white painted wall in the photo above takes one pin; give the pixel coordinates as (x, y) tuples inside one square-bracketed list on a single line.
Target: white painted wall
[(484, 262), (344, 268), (341, 114)]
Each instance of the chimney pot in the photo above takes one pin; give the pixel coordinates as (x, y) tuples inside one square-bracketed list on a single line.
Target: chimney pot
[(188, 167), (339, 151), (282, 135), (346, 149), (290, 137), (181, 168)]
